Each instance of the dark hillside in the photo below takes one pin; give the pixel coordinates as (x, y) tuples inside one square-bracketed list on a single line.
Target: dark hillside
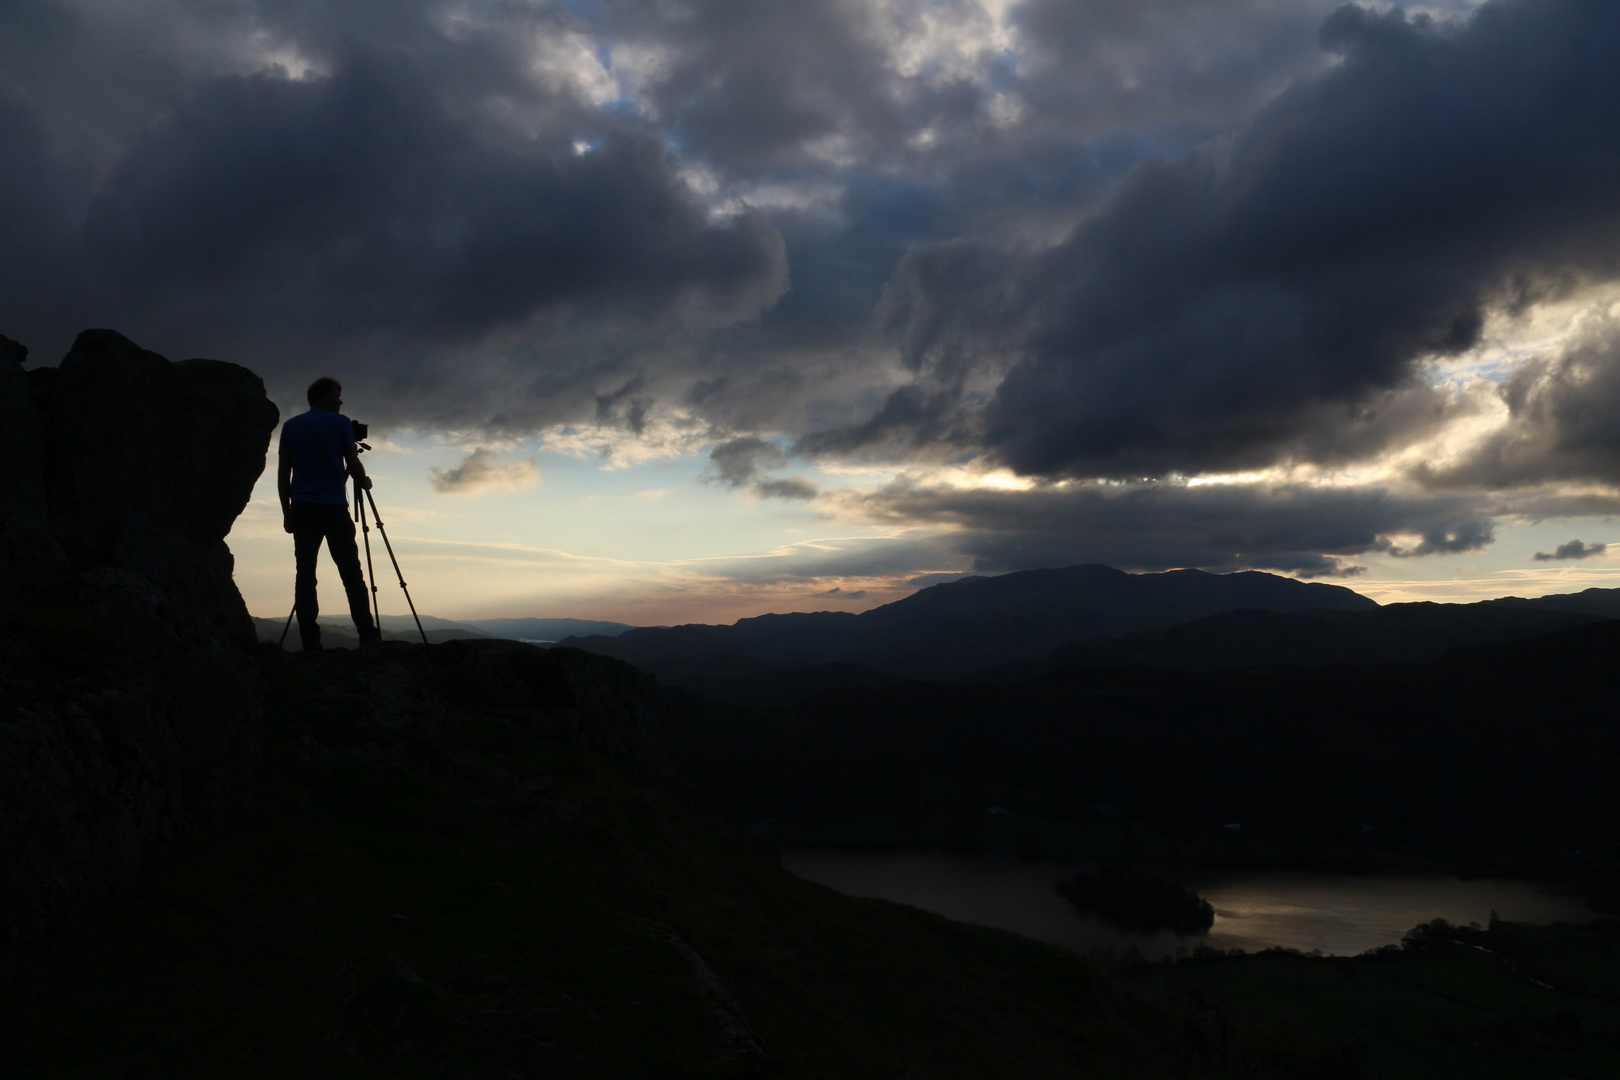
[(1395, 633), (1499, 755)]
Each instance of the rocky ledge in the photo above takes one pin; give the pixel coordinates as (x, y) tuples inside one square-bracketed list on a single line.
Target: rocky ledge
[(132, 691)]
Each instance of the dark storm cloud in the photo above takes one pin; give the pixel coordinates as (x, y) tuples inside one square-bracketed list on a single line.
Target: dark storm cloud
[(1265, 297), (1572, 550), (351, 207), (1305, 530), (413, 203), (741, 462), (900, 124), (748, 84), (423, 197), (1188, 67)]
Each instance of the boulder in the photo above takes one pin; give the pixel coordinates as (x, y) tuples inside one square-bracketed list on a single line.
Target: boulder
[(147, 463)]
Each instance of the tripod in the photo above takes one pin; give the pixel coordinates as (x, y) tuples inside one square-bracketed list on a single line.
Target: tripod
[(371, 575)]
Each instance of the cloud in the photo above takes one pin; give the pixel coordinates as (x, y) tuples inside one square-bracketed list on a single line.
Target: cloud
[(840, 593), (481, 472), (1306, 530), (792, 487), (1452, 539), (398, 186), (1119, 63), (1274, 297), (740, 462), (1572, 550), (410, 200), (750, 86), (1563, 417), (737, 462)]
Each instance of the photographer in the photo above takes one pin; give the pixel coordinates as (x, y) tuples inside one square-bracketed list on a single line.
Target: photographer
[(317, 454)]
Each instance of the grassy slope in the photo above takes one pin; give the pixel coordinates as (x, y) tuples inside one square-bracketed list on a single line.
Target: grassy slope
[(1453, 1011), (398, 911)]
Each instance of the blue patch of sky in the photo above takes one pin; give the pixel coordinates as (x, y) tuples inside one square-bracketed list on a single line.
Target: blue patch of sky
[(1001, 73)]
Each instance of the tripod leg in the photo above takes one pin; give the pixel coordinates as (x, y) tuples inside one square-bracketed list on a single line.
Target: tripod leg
[(397, 571), (371, 574), (284, 629)]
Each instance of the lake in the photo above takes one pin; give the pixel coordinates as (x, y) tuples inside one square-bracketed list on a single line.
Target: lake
[(1340, 914)]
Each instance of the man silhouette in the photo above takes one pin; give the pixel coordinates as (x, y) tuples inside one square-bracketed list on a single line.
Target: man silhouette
[(317, 455)]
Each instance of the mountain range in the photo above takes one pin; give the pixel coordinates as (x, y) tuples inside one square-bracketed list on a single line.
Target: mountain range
[(1009, 628), (947, 630)]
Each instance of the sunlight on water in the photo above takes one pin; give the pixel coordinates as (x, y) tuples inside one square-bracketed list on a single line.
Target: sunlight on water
[(1254, 909)]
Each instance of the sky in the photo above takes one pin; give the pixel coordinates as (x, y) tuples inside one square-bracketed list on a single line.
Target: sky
[(689, 310)]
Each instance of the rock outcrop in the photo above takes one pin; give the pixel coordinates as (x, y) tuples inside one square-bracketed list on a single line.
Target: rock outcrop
[(132, 706), (129, 708), (147, 463)]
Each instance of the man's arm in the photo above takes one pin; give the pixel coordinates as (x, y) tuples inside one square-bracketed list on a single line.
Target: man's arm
[(284, 487), (357, 470)]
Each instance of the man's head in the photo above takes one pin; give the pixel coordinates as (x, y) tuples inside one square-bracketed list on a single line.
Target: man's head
[(326, 393)]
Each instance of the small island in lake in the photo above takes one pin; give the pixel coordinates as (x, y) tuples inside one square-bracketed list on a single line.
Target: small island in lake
[(1139, 900)]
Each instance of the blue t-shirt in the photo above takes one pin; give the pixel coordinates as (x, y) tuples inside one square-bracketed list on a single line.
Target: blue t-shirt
[(315, 442)]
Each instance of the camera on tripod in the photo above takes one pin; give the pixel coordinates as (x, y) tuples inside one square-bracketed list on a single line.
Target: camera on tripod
[(361, 431)]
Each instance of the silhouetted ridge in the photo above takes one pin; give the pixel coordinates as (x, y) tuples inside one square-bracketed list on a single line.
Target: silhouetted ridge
[(952, 628)]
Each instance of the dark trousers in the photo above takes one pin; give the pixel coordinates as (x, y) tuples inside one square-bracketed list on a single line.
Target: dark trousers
[(312, 523)]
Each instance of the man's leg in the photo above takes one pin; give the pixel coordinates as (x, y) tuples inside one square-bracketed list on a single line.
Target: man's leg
[(346, 553), (307, 534)]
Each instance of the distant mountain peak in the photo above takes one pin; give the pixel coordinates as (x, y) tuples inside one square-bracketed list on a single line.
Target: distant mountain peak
[(955, 627)]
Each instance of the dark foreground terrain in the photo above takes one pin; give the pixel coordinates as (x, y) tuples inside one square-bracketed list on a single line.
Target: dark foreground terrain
[(1496, 759), (1500, 1003), (439, 877), (454, 868)]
